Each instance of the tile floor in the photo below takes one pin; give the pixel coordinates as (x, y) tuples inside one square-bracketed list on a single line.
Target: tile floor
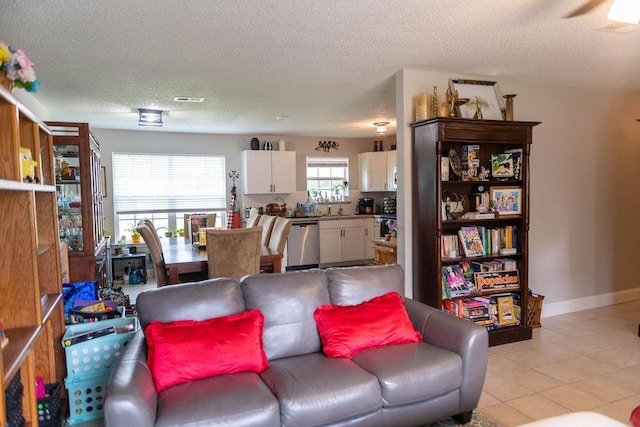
[(583, 361)]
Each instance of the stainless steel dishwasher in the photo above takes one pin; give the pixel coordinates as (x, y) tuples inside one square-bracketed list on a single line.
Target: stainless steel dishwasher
[(303, 245)]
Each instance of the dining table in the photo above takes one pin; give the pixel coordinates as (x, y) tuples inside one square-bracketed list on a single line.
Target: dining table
[(183, 257)]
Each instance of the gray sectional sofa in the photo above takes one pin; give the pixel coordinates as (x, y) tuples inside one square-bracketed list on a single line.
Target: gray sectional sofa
[(396, 385)]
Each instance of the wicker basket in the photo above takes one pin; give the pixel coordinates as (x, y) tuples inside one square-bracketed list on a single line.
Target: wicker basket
[(534, 310)]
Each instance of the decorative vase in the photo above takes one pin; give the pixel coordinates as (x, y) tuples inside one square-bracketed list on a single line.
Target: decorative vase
[(136, 238), (6, 83), (255, 144), (508, 114)]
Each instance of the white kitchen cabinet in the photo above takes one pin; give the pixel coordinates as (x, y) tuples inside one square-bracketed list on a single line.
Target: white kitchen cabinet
[(343, 240), (369, 235), (378, 171), (266, 172)]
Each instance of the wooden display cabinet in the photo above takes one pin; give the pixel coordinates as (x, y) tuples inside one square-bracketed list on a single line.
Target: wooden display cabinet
[(30, 274), (432, 140), (76, 154)]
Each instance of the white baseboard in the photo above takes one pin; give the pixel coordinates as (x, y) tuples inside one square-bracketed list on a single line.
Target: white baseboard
[(600, 300)]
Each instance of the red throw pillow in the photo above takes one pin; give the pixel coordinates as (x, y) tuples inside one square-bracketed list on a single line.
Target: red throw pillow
[(348, 330), (188, 350)]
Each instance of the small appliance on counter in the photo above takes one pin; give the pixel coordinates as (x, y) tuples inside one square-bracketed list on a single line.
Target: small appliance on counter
[(364, 206)]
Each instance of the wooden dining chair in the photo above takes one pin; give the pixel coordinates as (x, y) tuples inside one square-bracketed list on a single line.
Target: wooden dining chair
[(266, 222), (252, 221), (152, 240), (279, 234), (233, 253)]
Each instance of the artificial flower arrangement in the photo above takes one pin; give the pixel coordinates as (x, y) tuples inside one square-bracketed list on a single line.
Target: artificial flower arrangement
[(18, 68), (393, 227)]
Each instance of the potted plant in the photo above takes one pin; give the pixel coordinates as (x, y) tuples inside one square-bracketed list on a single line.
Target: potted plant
[(135, 234), (121, 244), (393, 229)]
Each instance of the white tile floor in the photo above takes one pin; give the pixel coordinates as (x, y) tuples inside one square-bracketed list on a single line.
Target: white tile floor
[(582, 361)]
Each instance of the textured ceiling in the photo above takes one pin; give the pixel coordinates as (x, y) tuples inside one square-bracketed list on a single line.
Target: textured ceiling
[(327, 65)]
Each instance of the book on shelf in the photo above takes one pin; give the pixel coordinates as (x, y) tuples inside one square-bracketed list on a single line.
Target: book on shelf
[(496, 240), (479, 215), (471, 158), (516, 154), (497, 280), (471, 242), (449, 246), (453, 277)]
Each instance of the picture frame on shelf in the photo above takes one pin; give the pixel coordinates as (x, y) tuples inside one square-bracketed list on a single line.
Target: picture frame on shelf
[(502, 165), (506, 314), (506, 200), (487, 90)]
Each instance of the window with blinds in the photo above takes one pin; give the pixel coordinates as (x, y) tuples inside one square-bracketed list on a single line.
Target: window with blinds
[(325, 175), (164, 186)]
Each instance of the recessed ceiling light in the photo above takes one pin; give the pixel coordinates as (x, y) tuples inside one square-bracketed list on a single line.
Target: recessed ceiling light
[(187, 99), (281, 117)]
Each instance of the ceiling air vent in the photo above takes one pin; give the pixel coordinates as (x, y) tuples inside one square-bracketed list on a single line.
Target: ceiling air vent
[(187, 99)]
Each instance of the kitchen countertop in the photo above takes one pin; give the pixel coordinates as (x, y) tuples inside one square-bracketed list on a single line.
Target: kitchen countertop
[(328, 218)]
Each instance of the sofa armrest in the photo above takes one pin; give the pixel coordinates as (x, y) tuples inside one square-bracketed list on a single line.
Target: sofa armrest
[(131, 394), (461, 336)]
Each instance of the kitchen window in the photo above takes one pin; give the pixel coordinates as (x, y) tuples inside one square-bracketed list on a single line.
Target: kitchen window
[(163, 187), (327, 178)]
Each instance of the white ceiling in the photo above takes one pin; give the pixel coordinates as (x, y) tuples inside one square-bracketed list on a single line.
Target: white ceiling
[(327, 65)]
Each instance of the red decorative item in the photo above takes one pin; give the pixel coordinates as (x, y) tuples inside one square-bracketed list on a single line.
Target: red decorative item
[(348, 330), (188, 350)]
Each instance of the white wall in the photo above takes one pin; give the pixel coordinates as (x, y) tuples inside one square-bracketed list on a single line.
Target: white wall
[(584, 193)]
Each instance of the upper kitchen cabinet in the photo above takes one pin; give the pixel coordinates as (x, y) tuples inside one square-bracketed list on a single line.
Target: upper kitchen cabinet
[(79, 192), (268, 172), (378, 171)]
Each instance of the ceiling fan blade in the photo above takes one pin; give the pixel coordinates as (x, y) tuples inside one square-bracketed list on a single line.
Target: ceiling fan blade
[(587, 7)]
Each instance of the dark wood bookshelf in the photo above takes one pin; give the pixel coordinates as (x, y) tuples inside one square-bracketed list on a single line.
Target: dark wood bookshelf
[(432, 140)]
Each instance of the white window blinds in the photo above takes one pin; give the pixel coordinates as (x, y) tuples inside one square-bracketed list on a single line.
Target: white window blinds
[(168, 183)]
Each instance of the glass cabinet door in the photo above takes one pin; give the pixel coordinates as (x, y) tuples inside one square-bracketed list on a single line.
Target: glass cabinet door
[(68, 186)]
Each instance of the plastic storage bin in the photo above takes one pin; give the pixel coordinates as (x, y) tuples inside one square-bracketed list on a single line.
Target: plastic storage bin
[(86, 394), (99, 355), (50, 407)]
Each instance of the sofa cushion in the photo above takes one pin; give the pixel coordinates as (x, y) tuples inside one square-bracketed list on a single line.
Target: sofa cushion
[(348, 330), (195, 301), (239, 400), (315, 390), (287, 301), (411, 373), (353, 285), (188, 350)]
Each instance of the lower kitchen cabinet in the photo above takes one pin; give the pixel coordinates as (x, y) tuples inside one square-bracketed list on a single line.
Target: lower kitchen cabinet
[(369, 235), (344, 241)]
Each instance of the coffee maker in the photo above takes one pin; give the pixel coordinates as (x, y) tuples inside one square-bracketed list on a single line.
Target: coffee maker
[(364, 206)]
